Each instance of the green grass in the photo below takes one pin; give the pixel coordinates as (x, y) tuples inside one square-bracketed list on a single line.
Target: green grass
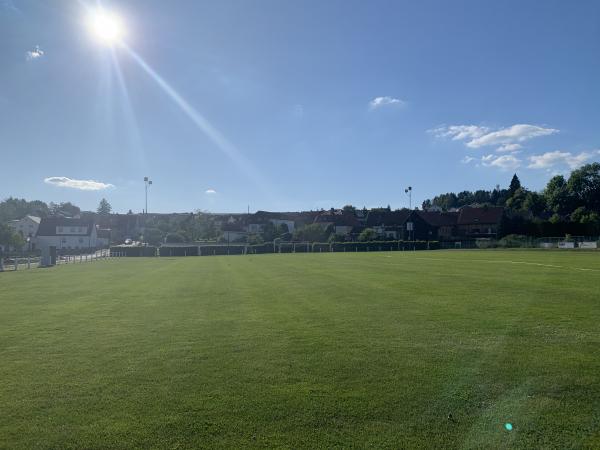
[(304, 351)]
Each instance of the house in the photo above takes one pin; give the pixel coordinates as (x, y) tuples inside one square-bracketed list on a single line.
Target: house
[(27, 227), (482, 222), (233, 232), (103, 237), (67, 234), (388, 224), (443, 224), (343, 222)]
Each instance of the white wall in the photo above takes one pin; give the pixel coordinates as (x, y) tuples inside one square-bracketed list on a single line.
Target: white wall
[(26, 226), (71, 242)]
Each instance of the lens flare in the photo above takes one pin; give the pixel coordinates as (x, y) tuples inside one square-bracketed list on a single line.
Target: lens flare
[(105, 26)]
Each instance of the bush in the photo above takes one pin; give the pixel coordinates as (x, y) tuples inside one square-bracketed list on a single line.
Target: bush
[(167, 250), (514, 241), (133, 251)]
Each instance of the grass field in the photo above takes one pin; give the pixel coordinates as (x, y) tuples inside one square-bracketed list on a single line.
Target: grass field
[(305, 350)]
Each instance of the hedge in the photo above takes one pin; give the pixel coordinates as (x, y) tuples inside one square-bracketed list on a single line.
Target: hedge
[(210, 250), (133, 251), (167, 250), (283, 247)]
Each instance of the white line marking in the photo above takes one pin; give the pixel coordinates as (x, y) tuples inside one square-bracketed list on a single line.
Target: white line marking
[(510, 262)]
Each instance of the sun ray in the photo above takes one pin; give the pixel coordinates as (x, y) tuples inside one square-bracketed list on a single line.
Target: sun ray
[(203, 124)]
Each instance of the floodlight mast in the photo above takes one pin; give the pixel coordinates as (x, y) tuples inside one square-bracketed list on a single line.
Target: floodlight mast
[(147, 182), (410, 225), (408, 191)]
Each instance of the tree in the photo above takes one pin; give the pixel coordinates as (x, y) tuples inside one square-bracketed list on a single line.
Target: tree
[(445, 201), (153, 236), (104, 208), (515, 184), (481, 197), (65, 209), (534, 203), (368, 234), (174, 238), (8, 237), (349, 209), (584, 186), (517, 199), (15, 208), (558, 198), (313, 232), (255, 239)]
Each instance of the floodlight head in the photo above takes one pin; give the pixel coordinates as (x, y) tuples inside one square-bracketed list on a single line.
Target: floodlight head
[(150, 182), (145, 178)]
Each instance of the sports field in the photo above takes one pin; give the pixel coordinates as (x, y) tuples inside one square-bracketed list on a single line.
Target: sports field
[(304, 351)]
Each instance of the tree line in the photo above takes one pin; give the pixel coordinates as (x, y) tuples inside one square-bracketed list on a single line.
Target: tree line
[(566, 204)]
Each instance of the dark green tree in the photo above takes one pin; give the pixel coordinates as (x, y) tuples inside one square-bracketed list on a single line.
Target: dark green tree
[(584, 186), (515, 184), (104, 208), (368, 234), (558, 198)]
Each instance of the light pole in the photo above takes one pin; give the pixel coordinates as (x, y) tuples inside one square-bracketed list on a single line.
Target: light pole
[(147, 182), (410, 225), (408, 191)]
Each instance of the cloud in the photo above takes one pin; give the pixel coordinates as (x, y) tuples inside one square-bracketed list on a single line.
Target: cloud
[(507, 139), (379, 102), (467, 159), (551, 159), (210, 192), (509, 148), (504, 162), (459, 132), (510, 135), (36, 53), (8, 5), (82, 185)]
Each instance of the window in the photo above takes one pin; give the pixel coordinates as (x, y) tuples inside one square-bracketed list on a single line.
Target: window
[(60, 229), (63, 240), (81, 240), (72, 229)]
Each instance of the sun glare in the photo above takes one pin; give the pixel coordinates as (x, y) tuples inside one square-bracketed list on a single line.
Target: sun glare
[(106, 27)]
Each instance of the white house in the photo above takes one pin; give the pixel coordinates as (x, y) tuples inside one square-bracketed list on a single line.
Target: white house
[(67, 234), (26, 227), (288, 223)]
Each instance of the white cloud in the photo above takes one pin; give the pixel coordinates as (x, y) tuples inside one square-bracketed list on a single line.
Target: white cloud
[(509, 148), (379, 102), (467, 159), (36, 53), (510, 135), (210, 192), (83, 185), (459, 132), (551, 159), (504, 162), (507, 139)]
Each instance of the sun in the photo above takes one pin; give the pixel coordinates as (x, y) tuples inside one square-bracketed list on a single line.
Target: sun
[(106, 27)]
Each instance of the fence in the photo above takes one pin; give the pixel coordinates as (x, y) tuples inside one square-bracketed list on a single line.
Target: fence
[(518, 241), (14, 263)]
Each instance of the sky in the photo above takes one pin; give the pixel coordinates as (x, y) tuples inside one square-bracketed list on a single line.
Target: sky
[(293, 105)]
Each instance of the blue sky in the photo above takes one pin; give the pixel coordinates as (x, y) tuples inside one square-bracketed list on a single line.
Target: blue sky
[(294, 105)]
